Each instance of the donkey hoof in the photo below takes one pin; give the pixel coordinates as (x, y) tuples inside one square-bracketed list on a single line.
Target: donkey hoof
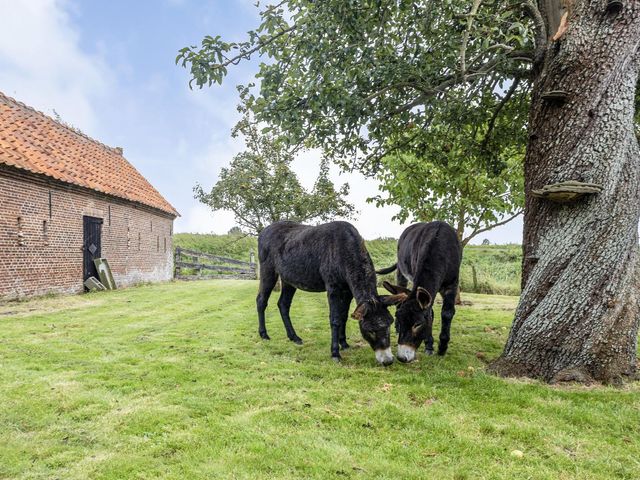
[(296, 340), (344, 346), (442, 352), (337, 359), (264, 336), (428, 352)]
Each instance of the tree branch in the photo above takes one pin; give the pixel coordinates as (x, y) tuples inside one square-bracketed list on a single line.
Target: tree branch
[(247, 54), (489, 227), (494, 117), (465, 36), (413, 85), (376, 155), (454, 80), (551, 11), (531, 9)]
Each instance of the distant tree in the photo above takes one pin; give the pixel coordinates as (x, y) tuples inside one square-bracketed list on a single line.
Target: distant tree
[(235, 231), (486, 242), (260, 188), (459, 193)]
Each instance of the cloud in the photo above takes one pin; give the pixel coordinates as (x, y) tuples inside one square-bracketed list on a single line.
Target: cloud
[(509, 233), (200, 219), (43, 65), (370, 221)]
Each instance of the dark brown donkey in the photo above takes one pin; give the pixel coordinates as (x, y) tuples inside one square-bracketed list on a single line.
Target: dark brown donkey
[(429, 254), (332, 258)]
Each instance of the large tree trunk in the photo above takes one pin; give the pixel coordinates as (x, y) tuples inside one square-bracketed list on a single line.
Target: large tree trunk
[(579, 311)]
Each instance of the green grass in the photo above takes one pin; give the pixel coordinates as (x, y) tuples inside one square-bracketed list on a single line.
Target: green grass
[(233, 246), (498, 267), (172, 381)]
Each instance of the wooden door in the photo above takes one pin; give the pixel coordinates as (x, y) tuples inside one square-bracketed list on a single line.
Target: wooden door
[(92, 245)]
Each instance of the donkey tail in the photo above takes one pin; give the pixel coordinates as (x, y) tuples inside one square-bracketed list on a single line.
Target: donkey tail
[(390, 269)]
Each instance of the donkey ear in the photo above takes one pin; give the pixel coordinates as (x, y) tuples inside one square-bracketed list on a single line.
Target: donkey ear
[(358, 313), (396, 299), (424, 298), (395, 289)]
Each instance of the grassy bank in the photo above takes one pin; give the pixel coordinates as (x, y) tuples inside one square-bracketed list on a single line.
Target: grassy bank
[(497, 267), (120, 385)]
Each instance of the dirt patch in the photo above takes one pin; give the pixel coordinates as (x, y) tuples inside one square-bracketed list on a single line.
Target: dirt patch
[(48, 304)]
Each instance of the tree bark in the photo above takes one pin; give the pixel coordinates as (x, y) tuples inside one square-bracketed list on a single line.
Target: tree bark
[(578, 314), (552, 11)]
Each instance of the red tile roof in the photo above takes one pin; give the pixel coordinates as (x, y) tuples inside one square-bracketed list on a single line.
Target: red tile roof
[(32, 141)]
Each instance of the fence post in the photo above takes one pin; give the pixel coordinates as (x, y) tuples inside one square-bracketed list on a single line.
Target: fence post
[(475, 278), (197, 264), (252, 264), (176, 263)]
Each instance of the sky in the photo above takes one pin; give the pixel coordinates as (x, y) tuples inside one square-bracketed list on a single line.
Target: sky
[(107, 68)]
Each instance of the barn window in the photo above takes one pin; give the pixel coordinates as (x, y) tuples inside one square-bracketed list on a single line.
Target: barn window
[(128, 237), (50, 205), (152, 225), (139, 240), (158, 243), (165, 244), (109, 215)]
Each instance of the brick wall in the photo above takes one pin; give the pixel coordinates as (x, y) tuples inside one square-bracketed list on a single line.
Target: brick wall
[(41, 249)]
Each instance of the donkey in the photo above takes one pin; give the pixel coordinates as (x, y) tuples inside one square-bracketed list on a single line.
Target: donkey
[(332, 258), (429, 254)]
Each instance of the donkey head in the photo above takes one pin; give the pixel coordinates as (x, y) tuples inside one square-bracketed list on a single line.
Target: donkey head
[(413, 315), (375, 322)]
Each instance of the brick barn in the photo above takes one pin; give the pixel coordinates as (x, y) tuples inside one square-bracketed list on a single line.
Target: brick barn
[(66, 199)]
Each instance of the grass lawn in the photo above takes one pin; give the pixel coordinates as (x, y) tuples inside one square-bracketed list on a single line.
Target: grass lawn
[(172, 381)]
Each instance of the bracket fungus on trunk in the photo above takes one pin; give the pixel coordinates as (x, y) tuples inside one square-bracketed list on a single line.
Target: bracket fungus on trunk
[(568, 191)]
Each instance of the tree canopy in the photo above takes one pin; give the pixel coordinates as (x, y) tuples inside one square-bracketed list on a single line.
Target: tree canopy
[(431, 97), (352, 77), (260, 188)]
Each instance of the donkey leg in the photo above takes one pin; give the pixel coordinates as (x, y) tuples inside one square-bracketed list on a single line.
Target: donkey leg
[(342, 339), (338, 307), (448, 311), (284, 305), (428, 341), (268, 279)]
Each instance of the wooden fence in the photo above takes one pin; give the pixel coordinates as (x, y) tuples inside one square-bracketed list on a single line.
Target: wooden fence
[(192, 265)]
